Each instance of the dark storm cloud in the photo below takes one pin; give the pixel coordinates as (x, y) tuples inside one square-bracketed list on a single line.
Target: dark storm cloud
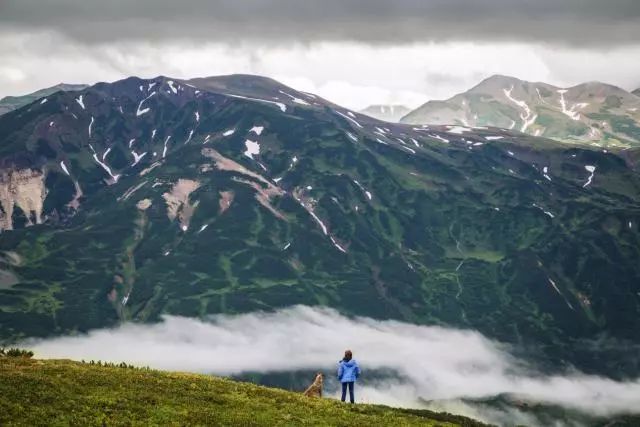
[(570, 22)]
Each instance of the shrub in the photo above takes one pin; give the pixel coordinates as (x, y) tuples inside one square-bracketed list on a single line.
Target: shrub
[(16, 352)]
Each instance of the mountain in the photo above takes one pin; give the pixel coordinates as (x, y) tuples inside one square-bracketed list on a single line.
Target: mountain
[(636, 92), (591, 113), (143, 197), (387, 113), (10, 103), (117, 394)]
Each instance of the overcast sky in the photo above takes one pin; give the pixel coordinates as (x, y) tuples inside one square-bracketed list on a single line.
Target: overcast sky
[(353, 52)]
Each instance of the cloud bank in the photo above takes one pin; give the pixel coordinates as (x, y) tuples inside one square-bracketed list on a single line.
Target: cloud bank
[(431, 363), (575, 22), (352, 52)]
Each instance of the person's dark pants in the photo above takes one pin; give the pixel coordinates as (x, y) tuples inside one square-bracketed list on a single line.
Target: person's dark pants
[(344, 391)]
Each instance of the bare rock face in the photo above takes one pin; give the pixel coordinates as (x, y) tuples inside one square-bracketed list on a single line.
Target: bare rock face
[(226, 198), (25, 190), (263, 194), (178, 204)]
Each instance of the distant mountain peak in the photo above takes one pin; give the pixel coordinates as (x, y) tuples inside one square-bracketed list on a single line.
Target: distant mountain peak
[(386, 112), (592, 112)]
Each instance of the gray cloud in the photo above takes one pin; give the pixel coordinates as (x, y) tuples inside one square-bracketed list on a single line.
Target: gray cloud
[(431, 363), (573, 22)]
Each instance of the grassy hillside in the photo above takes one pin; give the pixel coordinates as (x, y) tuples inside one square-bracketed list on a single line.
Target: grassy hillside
[(62, 392)]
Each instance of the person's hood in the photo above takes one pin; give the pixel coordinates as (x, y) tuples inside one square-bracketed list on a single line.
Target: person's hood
[(349, 364)]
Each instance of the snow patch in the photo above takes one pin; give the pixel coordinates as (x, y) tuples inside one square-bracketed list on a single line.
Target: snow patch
[(90, 126), (80, 101), (190, 135), (257, 130), (411, 150), (349, 118), (340, 248), (570, 112), (545, 211), (137, 157), (279, 104), (142, 111), (438, 137), (252, 148), (164, 149), (527, 116), (173, 89), (106, 168), (592, 170), (64, 168), (43, 101), (228, 132), (296, 100), (458, 129), (367, 193)]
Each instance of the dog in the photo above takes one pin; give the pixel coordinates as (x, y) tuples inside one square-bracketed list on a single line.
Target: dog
[(315, 389)]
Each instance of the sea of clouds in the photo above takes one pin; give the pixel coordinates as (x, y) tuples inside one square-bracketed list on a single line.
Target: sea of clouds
[(431, 363)]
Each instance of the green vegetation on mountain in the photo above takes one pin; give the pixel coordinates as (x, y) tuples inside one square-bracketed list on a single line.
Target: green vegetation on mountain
[(61, 392), (153, 202)]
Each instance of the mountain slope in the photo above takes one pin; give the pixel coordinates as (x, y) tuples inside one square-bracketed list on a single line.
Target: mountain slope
[(65, 392), (10, 103), (387, 113), (636, 92), (590, 113), (132, 199)]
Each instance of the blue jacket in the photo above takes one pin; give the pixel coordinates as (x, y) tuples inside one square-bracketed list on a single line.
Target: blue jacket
[(348, 371)]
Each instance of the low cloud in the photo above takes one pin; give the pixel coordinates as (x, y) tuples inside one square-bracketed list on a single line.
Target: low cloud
[(431, 363)]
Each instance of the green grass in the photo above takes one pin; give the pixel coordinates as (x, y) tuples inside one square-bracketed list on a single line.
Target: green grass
[(62, 392)]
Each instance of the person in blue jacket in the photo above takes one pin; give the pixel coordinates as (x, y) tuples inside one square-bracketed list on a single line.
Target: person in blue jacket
[(348, 373)]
